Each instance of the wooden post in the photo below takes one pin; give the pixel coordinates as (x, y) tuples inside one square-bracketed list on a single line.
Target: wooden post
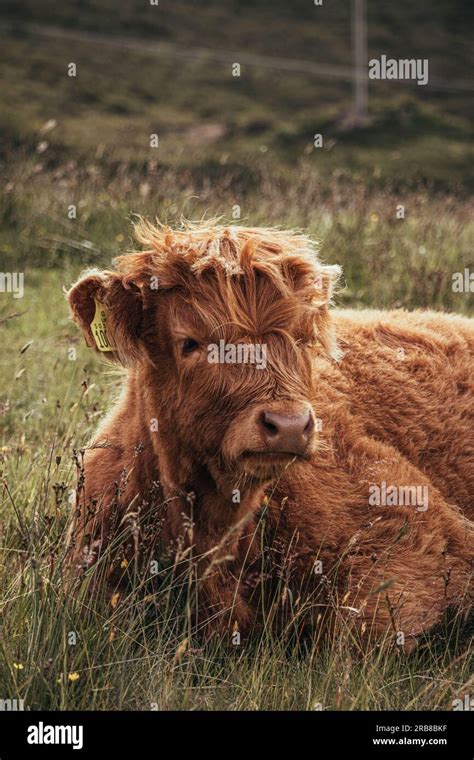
[(361, 81)]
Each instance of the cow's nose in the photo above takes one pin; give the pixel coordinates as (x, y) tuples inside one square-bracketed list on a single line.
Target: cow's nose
[(289, 433)]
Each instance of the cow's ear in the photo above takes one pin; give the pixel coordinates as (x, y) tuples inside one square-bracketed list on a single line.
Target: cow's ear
[(109, 310)]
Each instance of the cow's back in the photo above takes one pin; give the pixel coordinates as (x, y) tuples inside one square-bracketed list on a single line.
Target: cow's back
[(410, 378)]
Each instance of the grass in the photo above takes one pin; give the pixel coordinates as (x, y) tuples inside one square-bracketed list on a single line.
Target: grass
[(387, 261), (208, 121), (224, 144)]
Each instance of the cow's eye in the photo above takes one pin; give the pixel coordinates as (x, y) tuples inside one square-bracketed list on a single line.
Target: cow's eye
[(188, 346)]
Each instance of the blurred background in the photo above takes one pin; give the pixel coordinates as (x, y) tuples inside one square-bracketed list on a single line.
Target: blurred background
[(240, 145)]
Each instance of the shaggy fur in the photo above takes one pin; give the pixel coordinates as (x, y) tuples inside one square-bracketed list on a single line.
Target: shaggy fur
[(391, 398)]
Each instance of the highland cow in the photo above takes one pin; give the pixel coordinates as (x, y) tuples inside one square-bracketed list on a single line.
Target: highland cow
[(353, 445)]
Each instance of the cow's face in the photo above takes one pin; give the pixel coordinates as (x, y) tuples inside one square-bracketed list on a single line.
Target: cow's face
[(223, 362)]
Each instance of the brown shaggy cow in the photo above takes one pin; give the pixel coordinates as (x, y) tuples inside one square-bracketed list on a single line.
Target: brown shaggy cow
[(350, 434)]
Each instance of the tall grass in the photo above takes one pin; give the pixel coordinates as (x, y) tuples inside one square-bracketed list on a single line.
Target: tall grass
[(387, 261)]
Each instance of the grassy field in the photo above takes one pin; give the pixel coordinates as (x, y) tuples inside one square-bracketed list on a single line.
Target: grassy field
[(224, 143)]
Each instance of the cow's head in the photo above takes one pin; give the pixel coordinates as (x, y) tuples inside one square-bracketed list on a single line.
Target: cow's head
[(219, 327)]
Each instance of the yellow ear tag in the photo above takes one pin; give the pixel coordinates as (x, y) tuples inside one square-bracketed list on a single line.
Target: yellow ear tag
[(99, 328)]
